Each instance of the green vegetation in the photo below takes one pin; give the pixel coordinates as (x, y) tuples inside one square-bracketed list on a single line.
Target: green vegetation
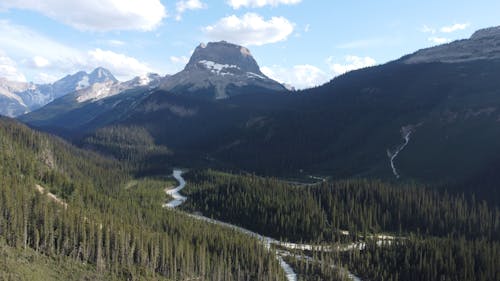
[(429, 259), (118, 230), (132, 145), (445, 237), (316, 213), (28, 265)]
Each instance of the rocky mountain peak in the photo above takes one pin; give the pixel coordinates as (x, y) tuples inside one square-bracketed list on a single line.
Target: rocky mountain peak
[(17, 98), (220, 70), (213, 54), (100, 75)]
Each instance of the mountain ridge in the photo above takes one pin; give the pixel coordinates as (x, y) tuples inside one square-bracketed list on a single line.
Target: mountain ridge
[(484, 44), (348, 127), (217, 70), (17, 98)]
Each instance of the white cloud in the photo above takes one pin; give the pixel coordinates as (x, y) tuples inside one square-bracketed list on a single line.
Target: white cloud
[(427, 29), (307, 28), (299, 76), (97, 15), (351, 63), (24, 44), (439, 40), (185, 5), (114, 42), (40, 62), (251, 29), (34, 51), (236, 4), (45, 78), (454, 27), (307, 76), (179, 60), (8, 69), (120, 65)]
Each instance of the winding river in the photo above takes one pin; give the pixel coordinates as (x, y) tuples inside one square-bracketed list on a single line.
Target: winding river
[(178, 199)]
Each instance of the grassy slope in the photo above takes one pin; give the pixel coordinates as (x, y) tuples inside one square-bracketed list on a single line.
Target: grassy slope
[(27, 265)]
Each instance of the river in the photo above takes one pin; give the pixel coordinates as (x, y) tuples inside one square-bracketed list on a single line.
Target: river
[(179, 199)]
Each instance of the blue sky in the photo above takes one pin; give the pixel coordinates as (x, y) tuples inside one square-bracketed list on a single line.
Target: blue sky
[(301, 42)]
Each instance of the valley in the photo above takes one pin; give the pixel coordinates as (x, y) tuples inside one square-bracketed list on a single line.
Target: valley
[(268, 242), (367, 171)]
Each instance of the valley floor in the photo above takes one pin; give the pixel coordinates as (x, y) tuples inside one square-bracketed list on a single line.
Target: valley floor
[(268, 242)]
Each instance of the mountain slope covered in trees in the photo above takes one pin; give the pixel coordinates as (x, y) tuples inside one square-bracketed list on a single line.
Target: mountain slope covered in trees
[(430, 235), (441, 111), (111, 221)]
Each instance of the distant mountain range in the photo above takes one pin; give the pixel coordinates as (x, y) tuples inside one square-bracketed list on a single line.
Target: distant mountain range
[(17, 98), (215, 71), (432, 116)]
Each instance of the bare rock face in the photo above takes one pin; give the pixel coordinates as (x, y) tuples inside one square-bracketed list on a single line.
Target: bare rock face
[(18, 98), (220, 66), (484, 44)]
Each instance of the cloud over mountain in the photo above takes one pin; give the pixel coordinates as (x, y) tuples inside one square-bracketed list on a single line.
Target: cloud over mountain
[(250, 29)]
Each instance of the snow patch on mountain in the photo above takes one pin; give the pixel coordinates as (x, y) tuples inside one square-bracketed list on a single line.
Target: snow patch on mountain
[(221, 68), (84, 83), (17, 98), (217, 68), (109, 88), (96, 92), (9, 88), (245, 51), (144, 80), (255, 75)]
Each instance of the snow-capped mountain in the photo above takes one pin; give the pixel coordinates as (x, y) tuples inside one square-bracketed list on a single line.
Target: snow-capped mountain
[(484, 44), (18, 98), (86, 104), (10, 103), (222, 69), (108, 88)]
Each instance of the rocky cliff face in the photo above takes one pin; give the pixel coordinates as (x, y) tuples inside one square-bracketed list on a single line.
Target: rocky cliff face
[(220, 67)]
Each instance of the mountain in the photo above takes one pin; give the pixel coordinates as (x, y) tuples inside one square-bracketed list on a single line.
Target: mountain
[(17, 98), (428, 116), (214, 72), (433, 120), (484, 44), (219, 70), (50, 187), (10, 103), (83, 105), (432, 116)]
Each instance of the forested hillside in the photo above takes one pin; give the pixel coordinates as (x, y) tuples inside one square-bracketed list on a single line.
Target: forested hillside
[(438, 235), (349, 127), (112, 221)]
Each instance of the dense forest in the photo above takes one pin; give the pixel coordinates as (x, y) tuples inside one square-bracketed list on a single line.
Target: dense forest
[(132, 146), (316, 213), (106, 222), (111, 221), (438, 235)]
